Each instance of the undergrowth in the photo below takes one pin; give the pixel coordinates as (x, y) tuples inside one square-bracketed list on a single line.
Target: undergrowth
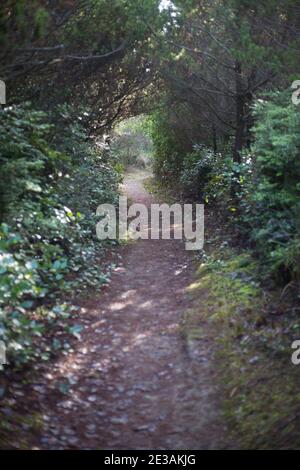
[(253, 354), (53, 177)]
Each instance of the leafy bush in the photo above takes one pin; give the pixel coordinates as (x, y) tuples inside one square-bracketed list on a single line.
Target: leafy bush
[(26, 159), (275, 195), (50, 190), (264, 205), (167, 149), (201, 169), (209, 176)]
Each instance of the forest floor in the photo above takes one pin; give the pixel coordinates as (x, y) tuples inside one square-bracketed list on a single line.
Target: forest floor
[(134, 381)]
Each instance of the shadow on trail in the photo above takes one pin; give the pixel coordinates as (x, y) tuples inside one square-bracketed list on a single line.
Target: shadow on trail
[(132, 381)]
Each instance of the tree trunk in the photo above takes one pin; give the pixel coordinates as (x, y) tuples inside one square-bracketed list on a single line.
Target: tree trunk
[(214, 136), (240, 118), (240, 130)]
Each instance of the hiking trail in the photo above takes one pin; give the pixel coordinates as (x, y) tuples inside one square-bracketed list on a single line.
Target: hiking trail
[(135, 382)]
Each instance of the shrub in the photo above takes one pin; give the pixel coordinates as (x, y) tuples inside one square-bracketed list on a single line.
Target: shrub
[(50, 190), (275, 195), (167, 149)]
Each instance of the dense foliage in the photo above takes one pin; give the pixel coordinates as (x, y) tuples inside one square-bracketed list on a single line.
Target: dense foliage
[(50, 190), (82, 66), (199, 91), (225, 130), (131, 144), (275, 194)]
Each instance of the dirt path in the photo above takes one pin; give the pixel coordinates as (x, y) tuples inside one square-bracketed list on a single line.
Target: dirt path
[(134, 382)]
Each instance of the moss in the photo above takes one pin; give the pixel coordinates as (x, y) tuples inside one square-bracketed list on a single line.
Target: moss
[(253, 357)]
